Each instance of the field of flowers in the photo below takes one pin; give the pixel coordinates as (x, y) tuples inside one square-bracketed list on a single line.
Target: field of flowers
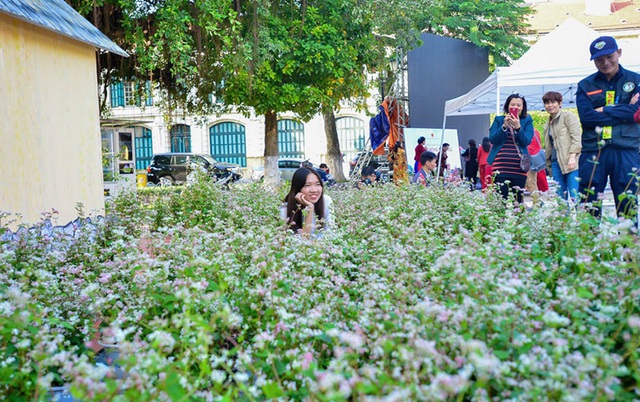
[(416, 294)]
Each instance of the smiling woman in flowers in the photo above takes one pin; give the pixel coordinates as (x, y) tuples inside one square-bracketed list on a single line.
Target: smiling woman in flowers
[(306, 208)]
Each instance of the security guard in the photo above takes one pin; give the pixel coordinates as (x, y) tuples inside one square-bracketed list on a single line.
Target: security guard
[(607, 101)]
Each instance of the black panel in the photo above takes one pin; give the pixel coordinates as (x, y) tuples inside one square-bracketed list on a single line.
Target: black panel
[(442, 69)]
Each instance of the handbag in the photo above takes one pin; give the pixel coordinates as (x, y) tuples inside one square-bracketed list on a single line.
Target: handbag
[(539, 160), (525, 159)]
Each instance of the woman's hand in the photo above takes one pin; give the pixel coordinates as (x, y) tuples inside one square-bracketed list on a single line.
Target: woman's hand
[(572, 161), (512, 122), (307, 224), (302, 200)]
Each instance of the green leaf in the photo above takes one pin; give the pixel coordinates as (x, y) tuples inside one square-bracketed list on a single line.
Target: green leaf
[(173, 387), (272, 390), (502, 354), (585, 293)]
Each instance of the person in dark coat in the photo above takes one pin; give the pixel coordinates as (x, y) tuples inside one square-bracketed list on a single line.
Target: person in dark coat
[(441, 159), (470, 156)]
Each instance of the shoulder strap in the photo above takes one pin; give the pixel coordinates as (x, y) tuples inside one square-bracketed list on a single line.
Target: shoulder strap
[(515, 142)]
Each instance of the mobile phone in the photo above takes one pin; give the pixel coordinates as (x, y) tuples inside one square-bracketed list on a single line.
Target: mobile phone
[(514, 112)]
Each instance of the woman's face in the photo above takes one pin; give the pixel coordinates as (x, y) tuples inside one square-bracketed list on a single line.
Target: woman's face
[(552, 107), (517, 103), (312, 188)]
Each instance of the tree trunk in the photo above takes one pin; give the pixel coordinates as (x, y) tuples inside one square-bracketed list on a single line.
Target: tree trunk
[(271, 172), (334, 157)]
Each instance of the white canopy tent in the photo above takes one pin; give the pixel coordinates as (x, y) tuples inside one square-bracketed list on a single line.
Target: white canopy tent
[(557, 62)]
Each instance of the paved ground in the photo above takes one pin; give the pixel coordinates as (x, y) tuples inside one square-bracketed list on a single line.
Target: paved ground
[(608, 205)]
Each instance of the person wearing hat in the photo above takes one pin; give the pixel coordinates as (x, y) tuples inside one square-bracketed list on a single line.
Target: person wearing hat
[(607, 101)]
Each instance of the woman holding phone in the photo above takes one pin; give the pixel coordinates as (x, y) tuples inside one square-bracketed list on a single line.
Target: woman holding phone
[(510, 135)]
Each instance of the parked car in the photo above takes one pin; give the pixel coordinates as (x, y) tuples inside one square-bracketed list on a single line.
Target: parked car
[(286, 166), (172, 168)]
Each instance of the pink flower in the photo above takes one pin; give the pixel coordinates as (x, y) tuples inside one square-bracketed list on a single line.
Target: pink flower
[(307, 358), (279, 328), (634, 322)]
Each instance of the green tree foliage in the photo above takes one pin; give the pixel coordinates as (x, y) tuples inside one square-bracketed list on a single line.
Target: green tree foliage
[(298, 56), (176, 44), (497, 25), (265, 56), (272, 56)]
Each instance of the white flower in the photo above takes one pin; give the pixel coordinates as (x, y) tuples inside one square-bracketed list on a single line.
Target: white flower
[(164, 339), (241, 377), (218, 376), (634, 322), (6, 308), (555, 320), (353, 340)]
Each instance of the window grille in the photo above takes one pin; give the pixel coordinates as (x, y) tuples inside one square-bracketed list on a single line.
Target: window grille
[(351, 135), (180, 138), (228, 143), (290, 139), (143, 148)]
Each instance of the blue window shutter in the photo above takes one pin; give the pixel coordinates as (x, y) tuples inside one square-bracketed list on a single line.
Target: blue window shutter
[(228, 143), (290, 139)]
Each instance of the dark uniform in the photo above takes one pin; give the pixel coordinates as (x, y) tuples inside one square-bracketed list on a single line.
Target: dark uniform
[(610, 137)]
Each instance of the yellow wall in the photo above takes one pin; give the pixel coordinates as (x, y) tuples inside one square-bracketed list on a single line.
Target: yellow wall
[(50, 154)]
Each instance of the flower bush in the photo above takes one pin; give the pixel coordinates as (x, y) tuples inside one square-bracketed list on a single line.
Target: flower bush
[(415, 294)]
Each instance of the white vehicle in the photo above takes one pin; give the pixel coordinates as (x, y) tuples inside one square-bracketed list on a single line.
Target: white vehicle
[(286, 166)]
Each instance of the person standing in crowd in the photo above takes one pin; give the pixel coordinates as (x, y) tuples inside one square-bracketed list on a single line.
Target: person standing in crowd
[(510, 135), (425, 176), (483, 166), (441, 159), (536, 181), (398, 159), (470, 156), (419, 151), (306, 208), (607, 101), (562, 143)]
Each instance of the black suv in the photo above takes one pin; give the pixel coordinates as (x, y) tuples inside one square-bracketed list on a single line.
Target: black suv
[(172, 168)]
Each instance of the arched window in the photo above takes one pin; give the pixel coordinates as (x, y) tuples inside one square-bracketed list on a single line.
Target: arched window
[(351, 135), (143, 148), (228, 143), (290, 139), (180, 138)]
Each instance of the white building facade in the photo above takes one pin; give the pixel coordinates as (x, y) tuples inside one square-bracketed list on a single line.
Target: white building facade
[(133, 133)]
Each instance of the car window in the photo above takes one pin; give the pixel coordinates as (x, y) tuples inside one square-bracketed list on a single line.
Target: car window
[(162, 160), (180, 159), (282, 164), (209, 159), (199, 160)]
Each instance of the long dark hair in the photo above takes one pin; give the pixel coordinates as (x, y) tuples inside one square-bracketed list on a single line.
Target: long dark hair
[(486, 144), (294, 209), (523, 113)]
